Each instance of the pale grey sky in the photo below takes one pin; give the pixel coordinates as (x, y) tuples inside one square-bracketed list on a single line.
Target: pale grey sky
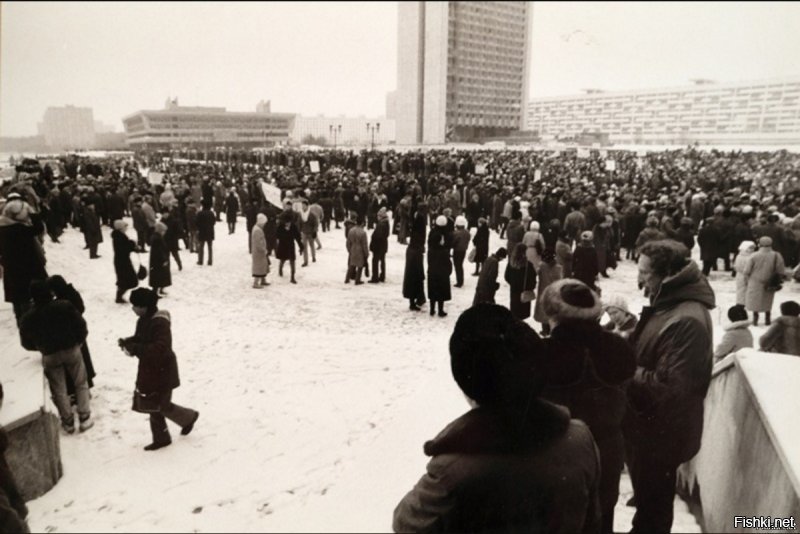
[(340, 57)]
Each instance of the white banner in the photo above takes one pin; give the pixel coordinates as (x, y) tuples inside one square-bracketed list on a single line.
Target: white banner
[(155, 177), (583, 152), (537, 175), (611, 165), (272, 194), (480, 168), (314, 165)]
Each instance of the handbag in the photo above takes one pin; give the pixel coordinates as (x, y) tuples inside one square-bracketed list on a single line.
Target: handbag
[(472, 254), (528, 294), (775, 282), (141, 273), (146, 402)]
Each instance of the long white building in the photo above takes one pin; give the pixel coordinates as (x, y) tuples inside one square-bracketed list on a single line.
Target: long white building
[(741, 113), (462, 70)]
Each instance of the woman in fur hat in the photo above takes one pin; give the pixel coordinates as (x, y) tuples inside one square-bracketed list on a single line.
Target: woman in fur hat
[(586, 369), (512, 462)]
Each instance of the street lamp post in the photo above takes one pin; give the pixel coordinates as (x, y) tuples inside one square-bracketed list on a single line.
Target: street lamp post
[(372, 129), (334, 130)]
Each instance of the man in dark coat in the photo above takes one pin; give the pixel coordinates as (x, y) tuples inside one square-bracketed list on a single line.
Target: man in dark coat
[(414, 273), (91, 230), (57, 330), (514, 463), (21, 254), (674, 355), (586, 369), (287, 234), (585, 266), (487, 284), (439, 265), (205, 232), (160, 275), (174, 231), (158, 367), (379, 245)]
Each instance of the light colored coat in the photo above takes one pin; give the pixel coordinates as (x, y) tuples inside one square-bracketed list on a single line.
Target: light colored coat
[(741, 278), (737, 336), (758, 270), (259, 251), (529, 240), (357, 247)]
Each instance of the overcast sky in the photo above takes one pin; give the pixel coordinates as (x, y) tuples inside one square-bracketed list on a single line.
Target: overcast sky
[(340, 57)]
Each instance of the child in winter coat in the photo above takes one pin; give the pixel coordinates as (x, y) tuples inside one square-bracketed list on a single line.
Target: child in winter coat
[(784, 334), (737, 334)]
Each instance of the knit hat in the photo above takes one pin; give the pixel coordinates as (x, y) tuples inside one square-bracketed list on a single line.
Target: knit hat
[(746, 246), (495, 359), (144, 298), (737, 313), (765, 241), (441, 220), (570, 299), (616, 301), (461, 221), (535, 225), (587, 235), (120, 225)]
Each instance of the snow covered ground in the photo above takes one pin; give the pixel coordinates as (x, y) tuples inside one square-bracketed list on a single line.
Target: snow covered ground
[(314, 399)]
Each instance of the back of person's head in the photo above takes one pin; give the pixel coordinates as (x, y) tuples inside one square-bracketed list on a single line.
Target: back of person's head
[(144, 298), (667, 256), (206, 204), (790, 308), (570, 299), (518, 256), (57, 284), (501, 253), (495, 358), (737, 313), (40, 292)]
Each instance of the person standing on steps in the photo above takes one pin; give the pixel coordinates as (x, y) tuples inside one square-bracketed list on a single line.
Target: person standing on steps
[(157, 373)]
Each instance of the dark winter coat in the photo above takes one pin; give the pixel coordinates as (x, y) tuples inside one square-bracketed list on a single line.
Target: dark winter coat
[(414, 274), (160, 275), (231, 208), (116, 206), (487, 281), (22, 258), (585, 265), (52, 327), (520, 279), (586, 369), (152, 344), (674, 353), (174, 230), (783, 336), (123, 266), (481, 242), (379, 241), (205, 225), (439, 265), (91, 228), (709, 240), (496, 471), (286, 239)]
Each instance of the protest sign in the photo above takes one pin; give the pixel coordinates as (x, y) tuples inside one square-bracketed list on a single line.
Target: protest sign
[(155, 177), (583, 152), (537, 175), (480, 168), (611, 165), (272, 194), (314, 165)]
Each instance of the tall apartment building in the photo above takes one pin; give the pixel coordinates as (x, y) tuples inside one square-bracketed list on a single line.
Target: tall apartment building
[(206, 127), (738, 113), (68, 127), (462, 70)]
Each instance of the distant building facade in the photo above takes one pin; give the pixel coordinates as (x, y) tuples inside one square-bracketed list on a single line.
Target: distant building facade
[(68, 127), (206, 127), (462, 70), (344, 131), (738, 113)]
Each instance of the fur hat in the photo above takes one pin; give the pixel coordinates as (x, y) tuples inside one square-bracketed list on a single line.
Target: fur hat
[(17, 209), (461, 221), (160, 227), (587, 235), (144, 298), (535, 226), (570, 299), (737, 313), (441, 220), (747, 246), (790, 308), (764, 241), (120, 225), (495, 358)]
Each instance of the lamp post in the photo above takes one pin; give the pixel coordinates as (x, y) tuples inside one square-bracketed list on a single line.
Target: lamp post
[(372, 129), (334, 130)]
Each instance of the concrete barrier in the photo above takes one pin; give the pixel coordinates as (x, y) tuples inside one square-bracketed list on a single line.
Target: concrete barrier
[(34, 453), (749, 460)]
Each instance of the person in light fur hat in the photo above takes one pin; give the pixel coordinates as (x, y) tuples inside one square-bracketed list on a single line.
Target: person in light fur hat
[(586, 367), (737, 334)]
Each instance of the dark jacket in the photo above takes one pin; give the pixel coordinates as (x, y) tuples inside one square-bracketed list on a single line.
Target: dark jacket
[(674, 355), (52, 327), (286, 238), (152, 344), (496, 471), (585, 266), (439, 265), (91, 227), (520, 279), (783, 336), (22, 258), (481, 242), (487, 281), (160, 275), (123, 267), (379, 241), (205, 225)]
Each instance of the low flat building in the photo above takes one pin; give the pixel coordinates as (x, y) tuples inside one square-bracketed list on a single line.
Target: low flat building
[(738, 113), (204, 128)]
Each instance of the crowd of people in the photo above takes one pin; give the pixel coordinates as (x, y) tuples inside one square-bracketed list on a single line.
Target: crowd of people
[(631, 387)]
